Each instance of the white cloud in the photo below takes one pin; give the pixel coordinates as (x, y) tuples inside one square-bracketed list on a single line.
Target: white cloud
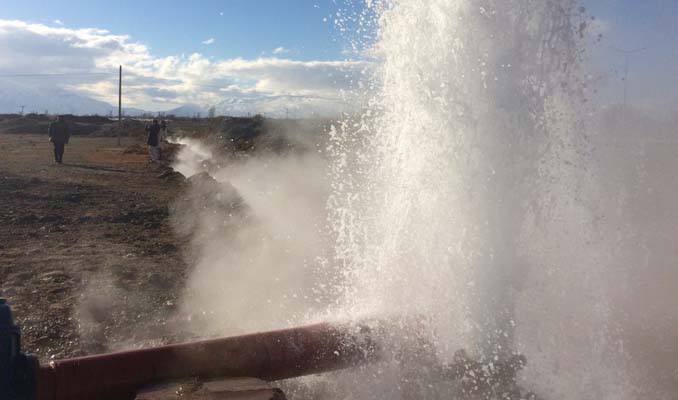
[(280, 50), (208, 41), (157, 83), (58, 22)]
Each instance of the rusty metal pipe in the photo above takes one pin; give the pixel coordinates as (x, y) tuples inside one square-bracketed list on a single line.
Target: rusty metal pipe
[(269, 356)]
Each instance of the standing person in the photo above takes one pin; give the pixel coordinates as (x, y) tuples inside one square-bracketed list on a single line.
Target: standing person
[(163, 136), (163, 130), (153, 141), (59, 136)]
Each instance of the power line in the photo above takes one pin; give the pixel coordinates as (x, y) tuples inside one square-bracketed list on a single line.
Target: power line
[(58, 74), (627, 54)]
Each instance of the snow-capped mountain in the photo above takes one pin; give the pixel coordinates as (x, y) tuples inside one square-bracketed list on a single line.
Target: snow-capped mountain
[(188, 110), (52, 99)]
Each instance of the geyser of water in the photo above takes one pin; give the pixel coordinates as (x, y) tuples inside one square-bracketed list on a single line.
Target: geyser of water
[(471, 200), (467, 196)]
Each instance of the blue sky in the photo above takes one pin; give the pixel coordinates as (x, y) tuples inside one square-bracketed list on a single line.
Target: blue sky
[(287, 52), (635, 24), (240, 28), (266, 56)]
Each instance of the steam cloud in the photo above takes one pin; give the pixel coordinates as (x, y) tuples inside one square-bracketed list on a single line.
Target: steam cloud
[(256, 239)]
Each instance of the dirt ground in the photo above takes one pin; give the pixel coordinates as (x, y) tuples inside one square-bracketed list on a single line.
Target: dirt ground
[(88, 258)]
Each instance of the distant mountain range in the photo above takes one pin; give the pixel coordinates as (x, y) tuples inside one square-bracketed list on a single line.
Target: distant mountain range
[(51, 99), (188, 110), (55, 100), (58, 100)]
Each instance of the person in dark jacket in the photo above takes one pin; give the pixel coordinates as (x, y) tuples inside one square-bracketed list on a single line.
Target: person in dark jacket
[(153, 140), (59, 136)]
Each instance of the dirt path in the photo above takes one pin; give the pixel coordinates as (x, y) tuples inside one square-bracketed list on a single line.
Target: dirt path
[(88, 259)]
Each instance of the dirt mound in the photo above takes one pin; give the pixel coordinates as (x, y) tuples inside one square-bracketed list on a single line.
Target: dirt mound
[(89, 119), (130, 127), (206, 201), (243, 135), (30, 123), (39, 124), (171, 175), (79, 125), (212, 193), (243, 128)]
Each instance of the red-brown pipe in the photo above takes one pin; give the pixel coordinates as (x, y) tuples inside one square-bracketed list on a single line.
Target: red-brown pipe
[(270, 356)]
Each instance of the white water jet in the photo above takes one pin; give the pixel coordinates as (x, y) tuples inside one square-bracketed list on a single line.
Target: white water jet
[(467, 195), (470, 198)]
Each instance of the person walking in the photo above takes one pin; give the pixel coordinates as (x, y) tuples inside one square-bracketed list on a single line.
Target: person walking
[(59, 135), (153, 141)]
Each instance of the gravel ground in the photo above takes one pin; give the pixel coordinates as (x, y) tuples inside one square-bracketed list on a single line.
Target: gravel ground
[(88, 258)]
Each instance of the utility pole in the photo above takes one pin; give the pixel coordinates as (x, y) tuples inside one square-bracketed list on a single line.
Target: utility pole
[(22, 110), (627, 55), (119, 104)]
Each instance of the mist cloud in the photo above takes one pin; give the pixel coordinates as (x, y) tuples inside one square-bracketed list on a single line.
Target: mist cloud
[(255, 237)]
